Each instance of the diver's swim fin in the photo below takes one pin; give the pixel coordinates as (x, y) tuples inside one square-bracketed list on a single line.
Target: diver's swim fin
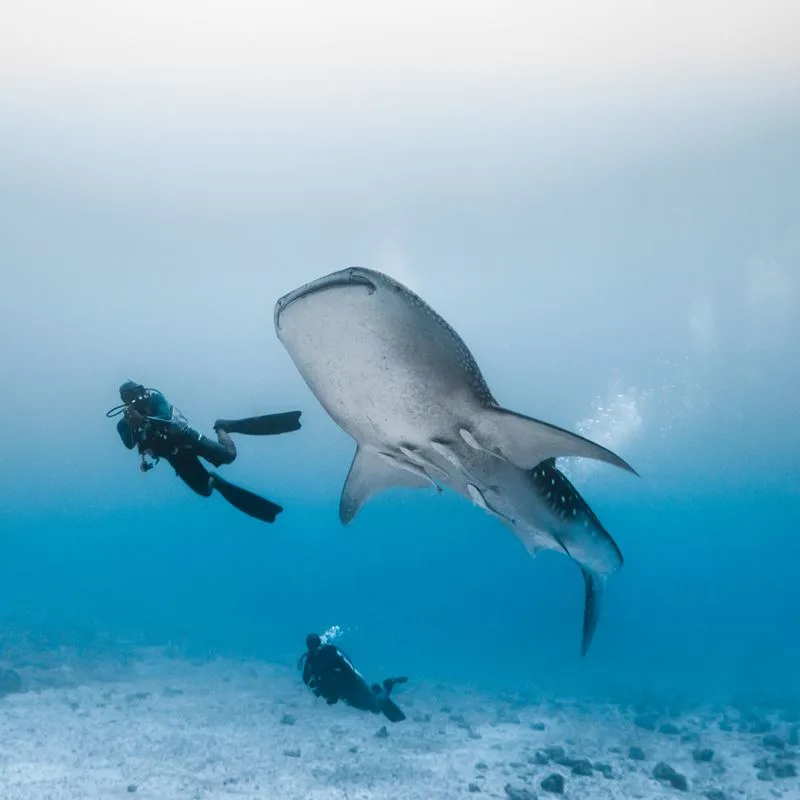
[(391, 710), (390, 683), (266, 425), (246, 501)]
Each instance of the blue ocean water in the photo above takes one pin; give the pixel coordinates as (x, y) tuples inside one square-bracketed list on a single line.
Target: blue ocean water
[(429, 586), (664, 292)]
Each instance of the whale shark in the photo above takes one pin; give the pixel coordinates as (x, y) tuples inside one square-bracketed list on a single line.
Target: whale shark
[(402, 383)]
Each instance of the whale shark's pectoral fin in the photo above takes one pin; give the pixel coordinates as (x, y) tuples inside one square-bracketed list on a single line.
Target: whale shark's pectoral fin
[(526, 442), (370, 473), (591, 608)]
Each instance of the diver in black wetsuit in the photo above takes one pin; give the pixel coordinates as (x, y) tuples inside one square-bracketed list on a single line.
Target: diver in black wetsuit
[(159, 430), (329, 673)]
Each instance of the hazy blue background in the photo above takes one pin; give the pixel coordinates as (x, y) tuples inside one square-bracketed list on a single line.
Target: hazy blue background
[(603, 201)]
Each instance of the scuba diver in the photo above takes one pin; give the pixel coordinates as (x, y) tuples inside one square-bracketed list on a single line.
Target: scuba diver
[(159, 430), (329, 673)]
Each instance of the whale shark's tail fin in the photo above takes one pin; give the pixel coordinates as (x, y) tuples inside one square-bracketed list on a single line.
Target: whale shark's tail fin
[(580, 535), (595, 584)]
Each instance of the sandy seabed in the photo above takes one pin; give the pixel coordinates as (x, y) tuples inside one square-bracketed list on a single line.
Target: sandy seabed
[(158, 728)]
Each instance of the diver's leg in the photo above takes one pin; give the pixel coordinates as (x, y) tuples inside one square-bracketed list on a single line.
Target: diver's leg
[(189, 469), (357, 693), (216, 453), (227, 444)]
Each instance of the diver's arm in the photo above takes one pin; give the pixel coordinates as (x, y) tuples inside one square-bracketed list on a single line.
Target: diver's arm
[(307, 673), (310, 679)]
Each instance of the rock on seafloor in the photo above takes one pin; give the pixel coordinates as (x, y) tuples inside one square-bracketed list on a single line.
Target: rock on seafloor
[(553, 783)]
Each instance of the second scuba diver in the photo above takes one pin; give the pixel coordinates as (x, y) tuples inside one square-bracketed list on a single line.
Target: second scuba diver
[(329, 673), (159, 430)]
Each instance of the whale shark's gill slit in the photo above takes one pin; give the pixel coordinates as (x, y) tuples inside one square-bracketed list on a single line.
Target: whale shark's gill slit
[(446, 449), (470, 439), (409, 466), (477, 497), (414, 455)]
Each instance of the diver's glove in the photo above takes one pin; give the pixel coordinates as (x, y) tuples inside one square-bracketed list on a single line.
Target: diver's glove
[(145, 464), (133, 416)]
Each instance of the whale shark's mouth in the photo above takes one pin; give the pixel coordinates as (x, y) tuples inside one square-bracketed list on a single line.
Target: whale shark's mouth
[(343, 279)]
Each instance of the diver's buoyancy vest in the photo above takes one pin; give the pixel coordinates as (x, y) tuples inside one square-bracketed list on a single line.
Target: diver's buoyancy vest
[(156, 427)]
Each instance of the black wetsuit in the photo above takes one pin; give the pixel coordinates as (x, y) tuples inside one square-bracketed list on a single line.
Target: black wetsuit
[(165, 433), (329, 673)]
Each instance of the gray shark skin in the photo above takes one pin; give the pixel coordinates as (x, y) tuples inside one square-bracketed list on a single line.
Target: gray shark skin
[(401, 382)]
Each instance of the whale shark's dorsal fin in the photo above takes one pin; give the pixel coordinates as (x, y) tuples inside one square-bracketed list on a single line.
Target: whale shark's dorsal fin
[(526, 442), (372, 472)]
